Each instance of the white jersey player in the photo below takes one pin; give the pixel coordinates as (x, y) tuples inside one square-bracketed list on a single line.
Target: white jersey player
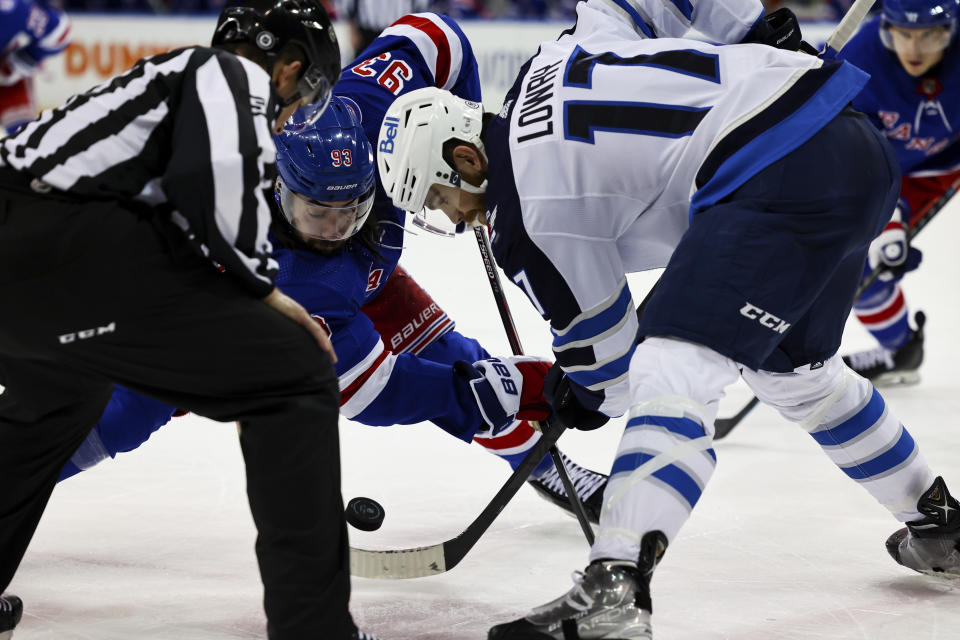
[(742, 171)]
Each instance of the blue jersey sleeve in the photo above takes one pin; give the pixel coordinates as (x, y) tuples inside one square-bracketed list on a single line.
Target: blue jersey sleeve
[(424, 387)]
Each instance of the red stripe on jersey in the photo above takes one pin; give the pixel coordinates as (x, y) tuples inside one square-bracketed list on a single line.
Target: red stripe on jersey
[(354, 386), (439, 39), (893, 224), (430, 338), (520, 435), (886, 314)]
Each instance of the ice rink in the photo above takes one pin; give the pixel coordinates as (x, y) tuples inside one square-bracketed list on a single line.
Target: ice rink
[(158, 544)]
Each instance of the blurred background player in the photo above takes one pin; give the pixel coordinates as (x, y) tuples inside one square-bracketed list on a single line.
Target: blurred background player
[(742, 171), (338, 240), (913, 97), (29, 32)]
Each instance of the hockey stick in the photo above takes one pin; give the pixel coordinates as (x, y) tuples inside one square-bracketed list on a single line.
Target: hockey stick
[(432, 560), (849, 24), (929, 214), (483, 243)]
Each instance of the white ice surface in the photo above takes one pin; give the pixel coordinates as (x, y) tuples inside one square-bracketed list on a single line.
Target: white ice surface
[(158, 543)]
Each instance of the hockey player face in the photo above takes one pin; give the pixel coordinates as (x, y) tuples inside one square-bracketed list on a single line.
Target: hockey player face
[(323, 225), (458, 205), (918, 50)]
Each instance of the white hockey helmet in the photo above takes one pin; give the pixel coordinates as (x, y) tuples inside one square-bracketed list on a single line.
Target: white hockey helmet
[(410, 144)]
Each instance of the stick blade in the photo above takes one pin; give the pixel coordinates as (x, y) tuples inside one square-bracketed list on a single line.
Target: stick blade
[(400, 564)]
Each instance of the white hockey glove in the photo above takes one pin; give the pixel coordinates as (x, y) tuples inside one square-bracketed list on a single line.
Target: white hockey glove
[(506, 389), (890, 248)]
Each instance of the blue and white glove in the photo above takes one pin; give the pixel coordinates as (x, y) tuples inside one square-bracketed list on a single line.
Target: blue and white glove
[(892, 249), (506, 389)]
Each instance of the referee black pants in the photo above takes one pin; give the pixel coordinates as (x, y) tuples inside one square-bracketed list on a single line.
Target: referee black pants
[(91, 294)]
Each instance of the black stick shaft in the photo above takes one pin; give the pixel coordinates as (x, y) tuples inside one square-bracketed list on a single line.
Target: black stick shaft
[(483, 242)]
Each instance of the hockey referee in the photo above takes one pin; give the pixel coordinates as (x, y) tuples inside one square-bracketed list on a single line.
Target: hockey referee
[(134, 251)]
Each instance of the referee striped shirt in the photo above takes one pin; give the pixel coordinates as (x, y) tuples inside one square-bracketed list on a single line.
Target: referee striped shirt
[(186, 133)]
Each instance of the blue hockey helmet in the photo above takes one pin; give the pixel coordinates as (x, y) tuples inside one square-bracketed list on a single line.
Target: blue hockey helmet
[(919, 14), (327, 176)]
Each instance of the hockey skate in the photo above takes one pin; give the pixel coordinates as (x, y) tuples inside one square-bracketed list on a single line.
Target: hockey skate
[(360, 635), (887, 367), (610, 600), (589, 485), (11, 610), (931, 545)]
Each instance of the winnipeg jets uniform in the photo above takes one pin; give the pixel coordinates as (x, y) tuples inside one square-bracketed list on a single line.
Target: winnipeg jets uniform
[(621, 148), (677, 125)]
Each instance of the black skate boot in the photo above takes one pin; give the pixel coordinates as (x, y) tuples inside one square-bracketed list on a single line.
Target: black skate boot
[(11, 610), (589, 485), (610, 601), (887, 367), (931, 545)]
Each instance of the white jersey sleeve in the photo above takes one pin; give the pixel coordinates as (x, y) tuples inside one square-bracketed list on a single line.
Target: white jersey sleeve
[(608, 144), (726, 21)]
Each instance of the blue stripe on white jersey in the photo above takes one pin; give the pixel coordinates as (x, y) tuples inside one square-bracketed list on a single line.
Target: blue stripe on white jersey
[(610, 330), (775, 130), (593, 324), (635, 16)]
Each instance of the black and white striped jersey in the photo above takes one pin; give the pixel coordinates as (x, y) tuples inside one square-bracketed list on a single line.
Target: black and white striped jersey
[(185, 133)]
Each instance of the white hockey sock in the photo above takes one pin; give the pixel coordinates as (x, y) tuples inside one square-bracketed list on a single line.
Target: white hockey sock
[(665, 458), (663, 463), (869, 444), (850, 420)]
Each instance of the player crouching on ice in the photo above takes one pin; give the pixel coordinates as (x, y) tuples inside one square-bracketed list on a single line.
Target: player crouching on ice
[(338, 257), (741, 171), (913, 97)]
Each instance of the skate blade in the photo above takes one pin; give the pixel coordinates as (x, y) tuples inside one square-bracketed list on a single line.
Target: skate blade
[(897, 379), (948, 577)]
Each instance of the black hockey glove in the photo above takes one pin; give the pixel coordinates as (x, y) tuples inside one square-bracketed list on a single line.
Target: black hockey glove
[(779, 29), (557, 388)]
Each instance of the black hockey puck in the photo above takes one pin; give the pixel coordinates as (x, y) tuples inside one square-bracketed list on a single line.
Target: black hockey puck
[(364, 514)]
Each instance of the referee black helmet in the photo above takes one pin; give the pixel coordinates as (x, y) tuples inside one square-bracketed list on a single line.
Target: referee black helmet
[(271, 26)]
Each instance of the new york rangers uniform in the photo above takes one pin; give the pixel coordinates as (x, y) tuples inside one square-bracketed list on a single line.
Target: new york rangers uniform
[(394, 344), (29, 32), (920, 116)]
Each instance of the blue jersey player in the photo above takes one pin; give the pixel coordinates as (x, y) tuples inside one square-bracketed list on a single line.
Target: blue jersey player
[(913, 97), (742, 171), (29, 32), (338, 242)]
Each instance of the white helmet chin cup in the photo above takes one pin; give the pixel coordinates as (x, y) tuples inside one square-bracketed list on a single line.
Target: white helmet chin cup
[(410, 144)]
